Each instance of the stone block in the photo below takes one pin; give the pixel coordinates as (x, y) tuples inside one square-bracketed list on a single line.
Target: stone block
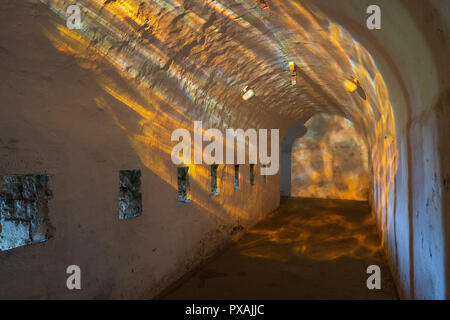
[(14, 234), (130, 197), (23, 210)]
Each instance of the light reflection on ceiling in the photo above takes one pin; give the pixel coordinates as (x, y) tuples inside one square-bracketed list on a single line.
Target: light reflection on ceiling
[(189, 60)]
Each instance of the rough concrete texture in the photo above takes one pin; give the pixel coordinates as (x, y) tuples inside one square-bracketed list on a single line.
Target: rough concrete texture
[(411, 51), (81, 105), (306, 249)]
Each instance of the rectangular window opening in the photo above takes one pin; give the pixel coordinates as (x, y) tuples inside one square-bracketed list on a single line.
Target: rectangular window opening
[(130, 195), (236, 177), (183, 184), (214, 190), (24, 210), (252, 174)]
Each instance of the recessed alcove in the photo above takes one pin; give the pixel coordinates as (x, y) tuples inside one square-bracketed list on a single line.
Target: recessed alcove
[(24, 215)]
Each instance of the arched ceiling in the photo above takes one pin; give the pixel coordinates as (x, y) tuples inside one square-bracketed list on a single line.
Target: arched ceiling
[(199, 55)]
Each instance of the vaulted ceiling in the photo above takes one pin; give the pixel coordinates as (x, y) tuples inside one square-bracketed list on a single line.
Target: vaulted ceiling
[(199, 55)]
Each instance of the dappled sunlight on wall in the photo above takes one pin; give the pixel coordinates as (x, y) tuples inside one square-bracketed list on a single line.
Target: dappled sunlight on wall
[(330, 161), (190, 60)]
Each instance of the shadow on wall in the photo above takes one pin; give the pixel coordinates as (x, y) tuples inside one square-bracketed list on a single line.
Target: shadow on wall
[(330, 161)]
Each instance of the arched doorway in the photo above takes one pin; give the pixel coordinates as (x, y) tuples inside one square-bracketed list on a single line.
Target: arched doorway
[(325, 157)]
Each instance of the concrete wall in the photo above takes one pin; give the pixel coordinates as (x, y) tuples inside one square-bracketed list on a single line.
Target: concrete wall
[(57, 118), (330, 161), (295, 131), (80, 106), (410, 50)]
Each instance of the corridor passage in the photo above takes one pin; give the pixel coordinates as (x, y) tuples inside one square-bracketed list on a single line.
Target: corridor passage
[(307, 249)]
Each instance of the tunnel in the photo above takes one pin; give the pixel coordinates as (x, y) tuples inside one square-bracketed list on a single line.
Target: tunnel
[(353, 120)]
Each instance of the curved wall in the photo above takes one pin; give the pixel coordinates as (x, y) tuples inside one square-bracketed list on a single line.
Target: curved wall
[(330, 161), (82, 105), (410, 50)]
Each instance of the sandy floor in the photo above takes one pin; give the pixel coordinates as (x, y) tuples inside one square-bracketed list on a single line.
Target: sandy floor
[(307, 249)]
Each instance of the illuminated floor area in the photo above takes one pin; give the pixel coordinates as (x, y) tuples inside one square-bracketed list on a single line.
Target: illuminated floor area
[(307, 249)]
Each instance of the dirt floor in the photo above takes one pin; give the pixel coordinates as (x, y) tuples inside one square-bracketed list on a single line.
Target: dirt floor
[(307, 249)]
